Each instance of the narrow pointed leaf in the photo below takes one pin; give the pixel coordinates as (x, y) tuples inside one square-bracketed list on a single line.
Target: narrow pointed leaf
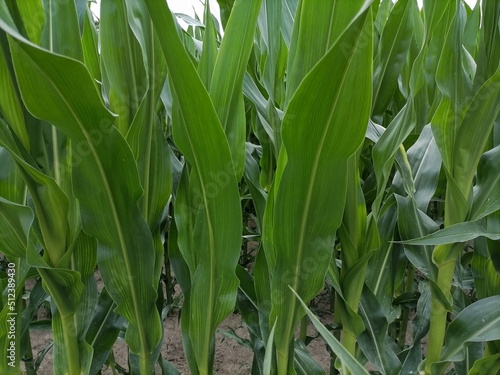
[(213, 186), (487, 190), (478, 322), (347, 359), (305, 191), (109, 211), (460, 232)]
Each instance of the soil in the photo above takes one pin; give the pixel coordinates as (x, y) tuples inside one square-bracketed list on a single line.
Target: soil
[(230, 357)]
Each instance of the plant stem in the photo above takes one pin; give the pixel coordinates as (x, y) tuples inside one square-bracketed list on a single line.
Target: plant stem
[(439, 312), (70, 344)]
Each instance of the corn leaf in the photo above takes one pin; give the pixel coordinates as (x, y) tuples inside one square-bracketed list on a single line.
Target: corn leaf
[(348, 361), (460, 232), (487, 190), (15, 221), (213, 186), (466, 327), (305, 191), (125, 81), (227, 78), (61, 15), (374, 341), (109, 211), (393, 48)]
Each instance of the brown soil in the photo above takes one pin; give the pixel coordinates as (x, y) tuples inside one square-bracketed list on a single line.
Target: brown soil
[(230, 357)]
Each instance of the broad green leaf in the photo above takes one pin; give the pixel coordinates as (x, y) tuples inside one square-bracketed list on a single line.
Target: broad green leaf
[(383, 10), (213, 188), (486, 365), (50, 202), (460, 232), (11, 106), (493, 225), (486, 198), (167, 368), (227, 78), (269, 353), (476, 323), (259, 196), (109, 211), (145, 135), (486, 278), (209, 54), (15, 221), (420, 327), (124, 80), (393, 48), (304, 363), (413, 223), (90, 47), (489, 44), (385, 149), (425, 163), (12, 186), (270, 20), (348, 361), (475, 130), (319, 15), (374, 341), (289, 8), (305, 194), (61, 15), (33, 16), (471, 32), (382, 268)]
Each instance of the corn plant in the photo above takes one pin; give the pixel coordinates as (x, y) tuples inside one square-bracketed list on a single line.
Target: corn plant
[(360, 139)]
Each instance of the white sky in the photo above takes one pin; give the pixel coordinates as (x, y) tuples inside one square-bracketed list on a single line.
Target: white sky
[(186, 6), (180, 6)]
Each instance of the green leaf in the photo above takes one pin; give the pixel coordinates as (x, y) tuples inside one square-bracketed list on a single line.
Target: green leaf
[(486, 365), (109, 204), (475, 131), (227, 78), (384, 151), (374, 342), (304, 363), (213, 190), (60, 15), (460, 232), (425, 163), (11, 106), (478, 322), (348, 361), (50, 202), (319, 15), (393, 48), (486, 198), (305, 205), (33, 17), (269, 353), (124, 79), (15, 221), (90, 47), (413, 223)]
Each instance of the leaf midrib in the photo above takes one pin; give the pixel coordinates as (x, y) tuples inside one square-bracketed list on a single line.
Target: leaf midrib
[(114, 211), (308, 199)]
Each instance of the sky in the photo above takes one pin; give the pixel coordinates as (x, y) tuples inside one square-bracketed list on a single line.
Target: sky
[(180, 6), (187, 6)]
